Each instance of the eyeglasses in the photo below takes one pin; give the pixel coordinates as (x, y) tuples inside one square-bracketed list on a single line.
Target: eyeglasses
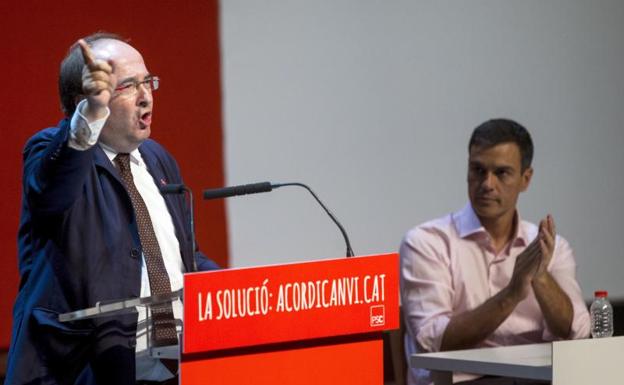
[(131, 87)]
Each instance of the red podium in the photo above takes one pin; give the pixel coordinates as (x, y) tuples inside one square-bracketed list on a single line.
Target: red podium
[(302, 323)]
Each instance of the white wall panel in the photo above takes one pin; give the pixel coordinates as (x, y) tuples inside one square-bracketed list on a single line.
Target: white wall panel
[(372, 103)]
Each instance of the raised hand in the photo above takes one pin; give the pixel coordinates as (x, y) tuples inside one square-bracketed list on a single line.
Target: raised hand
[(98, 81), (533, 262), (525, 268), (546, 238)]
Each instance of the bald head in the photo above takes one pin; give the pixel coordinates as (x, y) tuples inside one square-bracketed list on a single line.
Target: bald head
[(107, 45), (113, 49)]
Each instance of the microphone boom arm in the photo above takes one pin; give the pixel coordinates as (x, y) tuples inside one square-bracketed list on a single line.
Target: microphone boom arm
[(254, 188), (333, 218)]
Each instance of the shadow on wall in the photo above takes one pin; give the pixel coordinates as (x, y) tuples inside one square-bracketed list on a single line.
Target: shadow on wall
[(618, 318), (3, 364)]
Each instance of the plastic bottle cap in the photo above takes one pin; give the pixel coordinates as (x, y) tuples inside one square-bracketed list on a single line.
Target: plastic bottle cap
[(601, 293)]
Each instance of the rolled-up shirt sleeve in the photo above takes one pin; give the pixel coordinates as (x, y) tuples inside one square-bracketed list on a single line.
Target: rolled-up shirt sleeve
[(563, 270), (426, 286)]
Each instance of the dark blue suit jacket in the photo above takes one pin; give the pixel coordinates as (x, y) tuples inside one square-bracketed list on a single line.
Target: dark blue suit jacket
[(78, 245)]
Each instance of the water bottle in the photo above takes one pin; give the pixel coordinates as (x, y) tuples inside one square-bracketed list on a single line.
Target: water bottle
[(601, 313)]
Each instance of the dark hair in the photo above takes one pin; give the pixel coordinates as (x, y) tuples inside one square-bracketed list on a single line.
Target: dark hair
[(70, 76), (498, 131)]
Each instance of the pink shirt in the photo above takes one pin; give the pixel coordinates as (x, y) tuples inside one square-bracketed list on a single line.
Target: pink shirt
[(448, 266)]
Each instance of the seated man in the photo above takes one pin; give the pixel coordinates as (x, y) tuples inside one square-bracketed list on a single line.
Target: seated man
[(483, 277)]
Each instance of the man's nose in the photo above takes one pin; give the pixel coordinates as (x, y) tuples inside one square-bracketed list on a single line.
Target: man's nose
[(489, 180), (144, 95)]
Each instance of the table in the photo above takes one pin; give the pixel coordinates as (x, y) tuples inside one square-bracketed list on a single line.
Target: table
[(577, 362)]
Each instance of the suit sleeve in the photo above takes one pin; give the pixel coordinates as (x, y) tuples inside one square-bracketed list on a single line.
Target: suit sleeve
[(54, 173), (204, 263)]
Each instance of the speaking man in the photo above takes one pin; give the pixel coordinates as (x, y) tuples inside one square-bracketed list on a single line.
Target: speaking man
[(95, 228)]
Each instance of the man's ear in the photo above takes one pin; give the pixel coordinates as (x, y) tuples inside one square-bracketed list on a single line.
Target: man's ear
[(526, 178)]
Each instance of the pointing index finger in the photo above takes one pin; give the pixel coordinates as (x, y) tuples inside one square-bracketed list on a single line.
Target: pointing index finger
[(86, 52)]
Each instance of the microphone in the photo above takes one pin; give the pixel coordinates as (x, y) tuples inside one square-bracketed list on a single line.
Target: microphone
[(179, 188), (173, 188), (233, 191), (261, 187)]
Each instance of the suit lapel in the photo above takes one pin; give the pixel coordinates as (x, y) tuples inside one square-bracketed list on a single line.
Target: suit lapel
[(102, 161), (171, 200)]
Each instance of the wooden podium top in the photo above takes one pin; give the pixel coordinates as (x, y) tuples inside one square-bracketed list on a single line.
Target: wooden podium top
[(245, 307)]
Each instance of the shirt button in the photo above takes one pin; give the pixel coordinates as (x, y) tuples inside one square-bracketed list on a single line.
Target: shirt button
[(134, 253)]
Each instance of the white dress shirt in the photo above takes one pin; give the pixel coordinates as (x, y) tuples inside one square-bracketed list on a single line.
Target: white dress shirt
[(449, 266)]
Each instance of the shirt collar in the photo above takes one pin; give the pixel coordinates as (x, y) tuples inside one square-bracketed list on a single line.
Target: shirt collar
[(135, 155), (467, 223)]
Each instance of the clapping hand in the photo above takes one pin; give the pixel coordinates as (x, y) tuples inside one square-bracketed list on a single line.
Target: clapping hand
[(533, 261), (546, 237)]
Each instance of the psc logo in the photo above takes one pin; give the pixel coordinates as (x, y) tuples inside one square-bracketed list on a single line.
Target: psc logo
[(377, 315)]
